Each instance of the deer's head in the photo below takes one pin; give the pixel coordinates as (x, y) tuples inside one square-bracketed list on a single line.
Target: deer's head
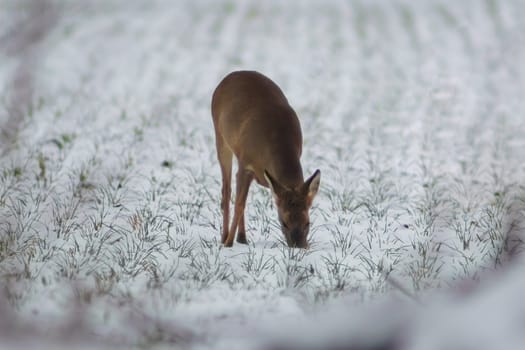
[(293, 206)]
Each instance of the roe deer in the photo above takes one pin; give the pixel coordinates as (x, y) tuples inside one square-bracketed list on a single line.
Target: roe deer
[(253, 120)]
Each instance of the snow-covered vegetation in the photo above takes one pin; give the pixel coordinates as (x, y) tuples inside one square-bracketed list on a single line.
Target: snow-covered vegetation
[(110, 189)]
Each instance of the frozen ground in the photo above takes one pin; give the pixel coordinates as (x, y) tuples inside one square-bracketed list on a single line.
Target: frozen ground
[(110, 188)]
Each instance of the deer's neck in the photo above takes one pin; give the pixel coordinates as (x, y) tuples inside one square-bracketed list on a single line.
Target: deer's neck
[(287, 170)]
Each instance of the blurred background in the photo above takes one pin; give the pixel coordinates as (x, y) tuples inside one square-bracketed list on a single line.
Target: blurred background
[(109, 184)]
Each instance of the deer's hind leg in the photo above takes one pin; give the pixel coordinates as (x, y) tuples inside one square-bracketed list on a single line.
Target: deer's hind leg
[(225, 156), (244, 179)]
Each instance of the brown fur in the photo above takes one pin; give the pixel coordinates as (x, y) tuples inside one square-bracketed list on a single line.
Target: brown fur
[(253, 120)]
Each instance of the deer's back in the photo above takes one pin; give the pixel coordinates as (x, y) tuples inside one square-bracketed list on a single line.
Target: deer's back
[(253, 116), (242, 91)]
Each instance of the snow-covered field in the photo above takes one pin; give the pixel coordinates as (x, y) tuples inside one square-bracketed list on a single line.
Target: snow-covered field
[(109, 185)]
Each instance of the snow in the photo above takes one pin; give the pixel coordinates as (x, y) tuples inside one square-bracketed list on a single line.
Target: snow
[(110, 187)]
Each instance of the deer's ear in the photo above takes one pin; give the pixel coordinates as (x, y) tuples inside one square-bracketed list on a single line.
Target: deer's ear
[(311, 186), (276, 187)]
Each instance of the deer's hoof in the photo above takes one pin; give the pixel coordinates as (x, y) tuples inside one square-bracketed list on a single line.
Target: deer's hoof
[(242, 239)]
